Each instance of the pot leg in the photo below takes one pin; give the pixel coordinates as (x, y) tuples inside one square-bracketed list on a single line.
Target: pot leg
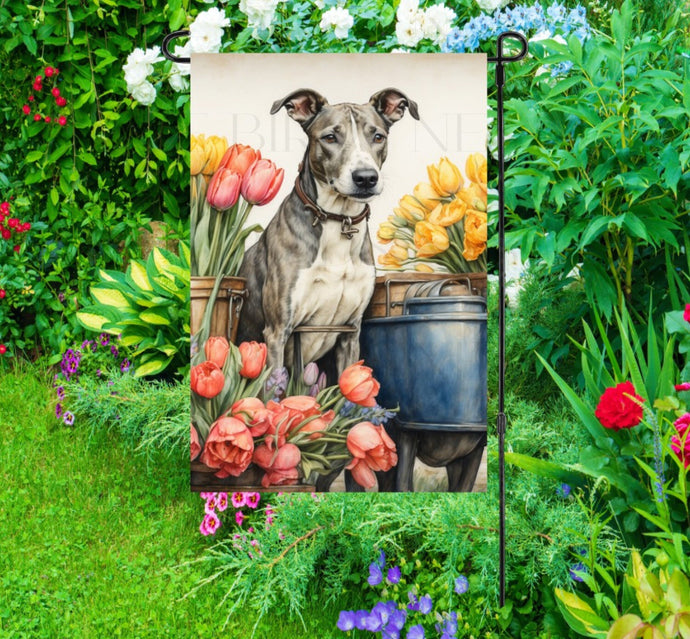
[(407, 449), (462, 472)]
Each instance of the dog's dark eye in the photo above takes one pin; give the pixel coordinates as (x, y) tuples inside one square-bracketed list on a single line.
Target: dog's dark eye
[(379, 137), (330, 138)]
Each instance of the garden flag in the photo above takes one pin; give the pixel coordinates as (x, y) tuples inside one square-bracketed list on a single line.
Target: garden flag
[(339, 230)]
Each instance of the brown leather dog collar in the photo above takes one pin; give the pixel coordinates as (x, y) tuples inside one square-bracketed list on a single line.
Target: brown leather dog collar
[(320, 215)]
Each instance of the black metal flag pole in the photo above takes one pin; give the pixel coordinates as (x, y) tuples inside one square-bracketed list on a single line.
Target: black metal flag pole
[(499, 60)]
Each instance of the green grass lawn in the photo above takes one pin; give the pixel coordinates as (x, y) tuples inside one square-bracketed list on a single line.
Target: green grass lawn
[(95, 542)]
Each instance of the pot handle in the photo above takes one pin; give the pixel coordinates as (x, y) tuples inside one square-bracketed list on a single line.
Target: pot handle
[(434, 288)]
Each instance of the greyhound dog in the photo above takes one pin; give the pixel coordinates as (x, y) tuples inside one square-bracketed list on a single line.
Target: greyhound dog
[(313, 264)]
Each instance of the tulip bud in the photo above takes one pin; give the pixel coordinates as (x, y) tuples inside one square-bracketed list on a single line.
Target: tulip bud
[(216, 350), (214, 149), (386, 232), (310, 374), (197, 156), (475, 169), (426, 195), (253, 359), (411, 208), (358, 385), (223, 189), (207, 379), (261, 182)]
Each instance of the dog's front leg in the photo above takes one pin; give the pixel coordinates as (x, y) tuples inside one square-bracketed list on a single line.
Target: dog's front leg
[(279, 322), (347, 349)]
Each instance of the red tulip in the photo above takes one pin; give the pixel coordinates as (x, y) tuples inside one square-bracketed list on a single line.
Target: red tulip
[(194, 445), (229, 447), (239, 157), (207, 379), (261, 182), (372, 450), (216, 349), (280, 465), (223, 189), (317, 427), (253, 359), (358, 385)]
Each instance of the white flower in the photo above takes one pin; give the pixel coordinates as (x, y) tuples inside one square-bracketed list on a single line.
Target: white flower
[(260, 13), (319, 4), (144, 93), (206, 31), (489, 6), (407, 10), (409, 33), (139, 65), (340, 19), (438, 22), (178, 82), (181, 68)]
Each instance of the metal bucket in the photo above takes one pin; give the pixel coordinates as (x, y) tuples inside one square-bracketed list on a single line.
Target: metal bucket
[(432, 366), (440, 297)]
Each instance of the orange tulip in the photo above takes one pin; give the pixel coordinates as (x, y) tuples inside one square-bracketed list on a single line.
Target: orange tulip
[(253, 413), (372, 450), (194, 445), (475, 235), (253, 359), (239, 157), (423, 268), (317, 427), (426, 195), (261, 182), (445, 177), (448, 214), (386, 232), (207, 379), (430, 239), (475, 169), (197, 155), (224, 189), (280, 465), (474, 196), (229, 447), (358, 384), (216, 349)]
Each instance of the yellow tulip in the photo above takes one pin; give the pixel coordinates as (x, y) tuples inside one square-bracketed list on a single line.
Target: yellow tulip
[(214, 149), (411, 209), (474, 196), (197, 159), (430, 239), (475, 235), (386, 232), (445, 177), (475, 169), (398, 252), (389, 260), (426, 195), (399, 221), (423, 268), (448, 214)]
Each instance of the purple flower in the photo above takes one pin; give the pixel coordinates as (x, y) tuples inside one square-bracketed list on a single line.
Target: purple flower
[(346, 620), (375, 574), (563, 490), (60, 392), (381, 560), (448, 626), (114, 351), (415, 632), (85, 344), (61, 296), (68, 418), (124, 367), (238, 499), (104, 338), (98, 372), (461, 585), (425, 604), (310, 375), (393, 575), (58, 410), (577, 568)]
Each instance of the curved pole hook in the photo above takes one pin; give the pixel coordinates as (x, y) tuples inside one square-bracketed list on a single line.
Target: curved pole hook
[(510, 35), (182, 33)]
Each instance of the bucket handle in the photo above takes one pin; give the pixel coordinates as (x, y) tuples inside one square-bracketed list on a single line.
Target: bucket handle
[(434, 288)]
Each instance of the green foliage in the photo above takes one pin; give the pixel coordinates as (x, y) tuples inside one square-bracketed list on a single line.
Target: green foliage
[(148, 307), (676, 324), (598, 160)]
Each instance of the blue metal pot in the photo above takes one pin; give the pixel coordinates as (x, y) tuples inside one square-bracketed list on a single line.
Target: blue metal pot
[(433, 366)]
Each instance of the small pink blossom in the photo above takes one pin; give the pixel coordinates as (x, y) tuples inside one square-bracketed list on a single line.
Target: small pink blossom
[(239, 517), (210, 524), (683, 387), (211, 502), (222, 501), (238, 500), (253, 499)]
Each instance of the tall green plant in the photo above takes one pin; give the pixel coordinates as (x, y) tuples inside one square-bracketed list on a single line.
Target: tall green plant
[(599, 157)]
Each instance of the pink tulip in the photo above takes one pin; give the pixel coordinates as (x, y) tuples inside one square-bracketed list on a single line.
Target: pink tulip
[(239, 157), (194, 444), (261, 182), (253, 359), (358, 385), (207, 379), (372, 450), (280, 465), (229, 447), (223, 189), (216, 350)]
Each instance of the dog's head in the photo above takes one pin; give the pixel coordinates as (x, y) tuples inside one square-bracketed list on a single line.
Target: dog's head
[(347, 142)]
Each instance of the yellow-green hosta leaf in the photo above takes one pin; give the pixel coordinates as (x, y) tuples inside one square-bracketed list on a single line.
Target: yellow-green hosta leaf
[(580, 615), (92, 321), (152, 317), (138, 273), (626, 627), (168, 349), (110, 297), (105, 276), (152, 366)]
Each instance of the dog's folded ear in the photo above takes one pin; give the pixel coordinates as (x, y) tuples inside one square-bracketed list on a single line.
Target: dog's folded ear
[(391, 103), (302, 105)]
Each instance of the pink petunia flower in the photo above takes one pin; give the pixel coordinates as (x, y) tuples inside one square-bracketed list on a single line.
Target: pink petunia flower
[(238, 500), (211, 523), (239, 517), (222, 501), (253, 499)]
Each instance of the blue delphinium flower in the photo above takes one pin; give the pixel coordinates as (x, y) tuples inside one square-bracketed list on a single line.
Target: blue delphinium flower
[(461, 585)]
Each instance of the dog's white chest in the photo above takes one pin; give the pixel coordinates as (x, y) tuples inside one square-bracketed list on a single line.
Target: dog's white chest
[(334, 290)]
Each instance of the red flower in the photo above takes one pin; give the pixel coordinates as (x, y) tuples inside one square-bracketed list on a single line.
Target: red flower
[(6, 234), (37, 117), (280, 465), (372, 450), (39, 78), (680, 443), (4, 207), (17, 248), (2, 293), (31, 98), (253, 359), (617, 407), (229, 447), (60, 101), (207, 379), (12, 222), (358, 385), (216, 350), (26, 226), (686, 313), (317, 427), (27, 109), (194, 445), (3, 349), (239, 157), (37, 86), (62, 120), (253, 413), (47, 118), (261, 182), (49, 71), (56, 92), (683, 387)]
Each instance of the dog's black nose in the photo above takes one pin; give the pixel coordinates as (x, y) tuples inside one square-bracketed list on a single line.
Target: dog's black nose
[(365, 178)]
